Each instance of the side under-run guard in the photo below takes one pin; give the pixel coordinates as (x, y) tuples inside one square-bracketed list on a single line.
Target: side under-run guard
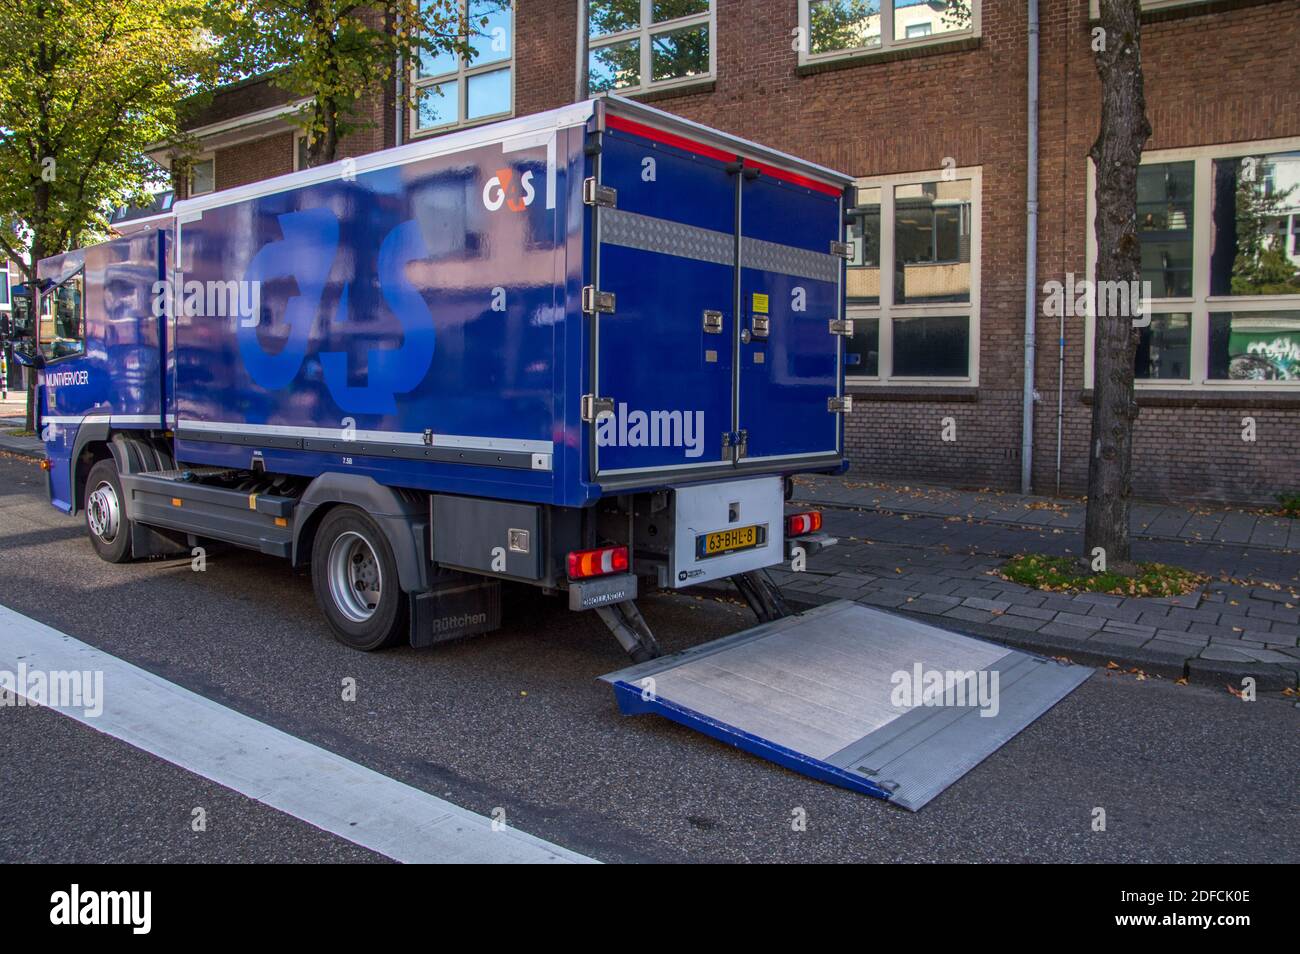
[(845, 694)]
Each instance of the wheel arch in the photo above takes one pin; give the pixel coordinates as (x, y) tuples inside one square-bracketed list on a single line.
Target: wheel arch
[(89, 448), (402, 516), (132, 452)]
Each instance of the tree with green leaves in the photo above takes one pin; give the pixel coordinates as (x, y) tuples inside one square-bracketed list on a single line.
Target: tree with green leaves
[(335, 53), (85, 87), (1261, 265)]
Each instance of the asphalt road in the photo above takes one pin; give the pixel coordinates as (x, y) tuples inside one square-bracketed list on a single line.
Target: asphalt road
[(516, 720)]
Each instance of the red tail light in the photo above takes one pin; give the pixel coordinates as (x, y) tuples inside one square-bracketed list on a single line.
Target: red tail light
[(797, 524), (606, 560)]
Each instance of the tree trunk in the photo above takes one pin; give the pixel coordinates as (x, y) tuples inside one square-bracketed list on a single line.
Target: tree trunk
[(323, 139), (38, 251), (1116, 154)]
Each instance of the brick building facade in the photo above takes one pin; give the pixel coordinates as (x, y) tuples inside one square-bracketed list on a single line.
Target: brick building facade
[(927, 102)]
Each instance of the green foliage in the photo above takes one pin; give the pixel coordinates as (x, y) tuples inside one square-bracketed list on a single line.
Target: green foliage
[(1067, 574), (842, 24), (1261, 266), (1290, 505), (85, 87), (332, 53)]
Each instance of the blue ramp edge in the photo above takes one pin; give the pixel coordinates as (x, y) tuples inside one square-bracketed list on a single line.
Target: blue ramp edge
[(632, 700)]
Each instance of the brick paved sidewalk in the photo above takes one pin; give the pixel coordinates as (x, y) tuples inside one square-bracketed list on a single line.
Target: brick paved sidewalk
[(1192, 524), (27, 446), (940, 563)]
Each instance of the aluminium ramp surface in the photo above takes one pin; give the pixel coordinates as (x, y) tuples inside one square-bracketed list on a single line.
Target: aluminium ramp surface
[(854, 696)]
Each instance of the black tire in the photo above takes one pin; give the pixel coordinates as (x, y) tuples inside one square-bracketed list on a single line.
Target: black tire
[(106, 521), (354, 575)]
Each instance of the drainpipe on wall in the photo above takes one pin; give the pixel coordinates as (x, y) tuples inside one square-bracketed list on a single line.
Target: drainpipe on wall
[(581, 90), (399, 124), (1031, 260)]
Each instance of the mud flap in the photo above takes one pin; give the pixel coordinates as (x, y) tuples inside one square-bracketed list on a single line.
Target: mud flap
[(874, 702)]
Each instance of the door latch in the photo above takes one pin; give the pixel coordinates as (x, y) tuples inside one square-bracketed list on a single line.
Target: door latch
[(842, 327), (840, 405), (760, 324), (842, 249), (712, 322)]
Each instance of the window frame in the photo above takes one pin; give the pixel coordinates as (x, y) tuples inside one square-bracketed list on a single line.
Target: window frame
[(1148, 6), (887, 44), (643, 32), (6, 273), (189, 177), (48, 296), (465, 69), (1201, 304), (886, 311), (299, 142)]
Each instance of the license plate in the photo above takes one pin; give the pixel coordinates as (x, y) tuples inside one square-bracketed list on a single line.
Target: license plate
[(721, 542)]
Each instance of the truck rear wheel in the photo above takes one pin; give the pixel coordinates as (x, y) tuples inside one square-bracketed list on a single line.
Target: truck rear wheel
[(355, 577), (106, 520)]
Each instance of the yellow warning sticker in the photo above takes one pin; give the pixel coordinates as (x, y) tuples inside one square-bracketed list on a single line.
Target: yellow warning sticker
[(760, 303)]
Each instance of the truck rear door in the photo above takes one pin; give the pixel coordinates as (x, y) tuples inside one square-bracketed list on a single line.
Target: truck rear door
[(719, 287), (664, 354), (789, 296)]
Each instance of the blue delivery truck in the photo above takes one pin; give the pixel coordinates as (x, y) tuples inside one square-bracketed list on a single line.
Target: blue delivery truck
[(585, 349)]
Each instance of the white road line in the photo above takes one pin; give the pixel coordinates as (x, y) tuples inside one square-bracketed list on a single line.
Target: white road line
[(270, 766)]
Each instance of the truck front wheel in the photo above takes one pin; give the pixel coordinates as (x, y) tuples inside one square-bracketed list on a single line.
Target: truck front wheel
[(355, 577), (106, 521)]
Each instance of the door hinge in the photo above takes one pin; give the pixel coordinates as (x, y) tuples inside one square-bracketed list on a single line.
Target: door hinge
[(712, 322), (594, 301), (842, 249), (593, 407), (842, 327), (593, 193), (737, 442), (840, 405)]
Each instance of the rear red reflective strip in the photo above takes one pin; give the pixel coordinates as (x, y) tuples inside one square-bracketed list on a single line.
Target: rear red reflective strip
[(671, 139), (681, 142), (794, 177)]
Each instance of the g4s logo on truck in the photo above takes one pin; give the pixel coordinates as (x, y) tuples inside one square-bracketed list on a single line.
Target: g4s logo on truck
[(498, 191), (306, 253)]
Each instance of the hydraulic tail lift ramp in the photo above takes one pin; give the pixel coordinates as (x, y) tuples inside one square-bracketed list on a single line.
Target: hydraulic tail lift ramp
[(839, 693)]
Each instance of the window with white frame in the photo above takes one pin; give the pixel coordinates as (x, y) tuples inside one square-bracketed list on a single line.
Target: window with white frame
[(203, 175), (4, 283), (451, 90), (1094, 9), (640, 45), (299, 151), (913, 281), (831, 29), (1216, 225)]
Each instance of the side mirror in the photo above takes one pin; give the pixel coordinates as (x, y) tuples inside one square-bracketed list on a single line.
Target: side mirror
[(21, 323), (28, 355)]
